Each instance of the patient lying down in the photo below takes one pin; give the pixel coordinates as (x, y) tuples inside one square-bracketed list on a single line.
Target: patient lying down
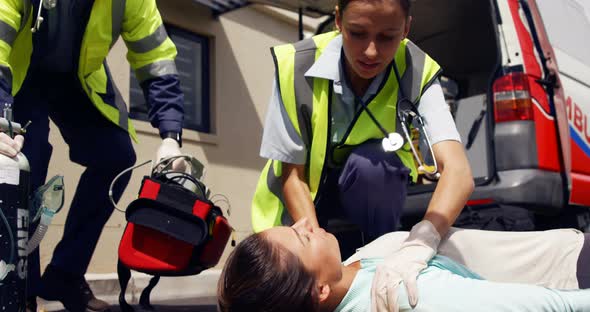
[(298, 268)]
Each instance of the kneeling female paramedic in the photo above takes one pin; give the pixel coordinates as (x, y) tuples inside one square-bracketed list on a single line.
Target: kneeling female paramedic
[(333, 135)]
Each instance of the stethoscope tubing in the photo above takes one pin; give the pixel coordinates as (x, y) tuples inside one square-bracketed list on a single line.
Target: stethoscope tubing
[(402, 115)]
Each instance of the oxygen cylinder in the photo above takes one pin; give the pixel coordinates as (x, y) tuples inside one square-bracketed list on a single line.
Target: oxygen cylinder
[(14, 222), (14, 231)]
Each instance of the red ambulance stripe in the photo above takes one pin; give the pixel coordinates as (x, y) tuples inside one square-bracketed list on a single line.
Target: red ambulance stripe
[(580, 189)]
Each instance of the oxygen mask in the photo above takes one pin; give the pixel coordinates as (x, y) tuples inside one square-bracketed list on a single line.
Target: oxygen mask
[(49, 198), (47, 201)]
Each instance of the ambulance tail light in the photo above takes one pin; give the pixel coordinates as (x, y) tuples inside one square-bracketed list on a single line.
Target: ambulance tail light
[(512, 98)]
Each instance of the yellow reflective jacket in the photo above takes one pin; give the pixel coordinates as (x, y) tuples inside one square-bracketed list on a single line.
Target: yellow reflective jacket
[(307, 105), (151, 53)]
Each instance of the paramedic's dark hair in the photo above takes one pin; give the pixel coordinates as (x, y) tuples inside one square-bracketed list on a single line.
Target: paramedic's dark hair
[(405, 4), (262, 276)]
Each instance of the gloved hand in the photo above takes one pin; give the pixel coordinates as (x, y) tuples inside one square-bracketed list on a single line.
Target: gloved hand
[(404, 265), (169, 148), (9, 146)]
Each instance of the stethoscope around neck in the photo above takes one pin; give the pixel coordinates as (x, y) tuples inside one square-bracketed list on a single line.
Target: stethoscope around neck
[(48, 5), (407, 113)]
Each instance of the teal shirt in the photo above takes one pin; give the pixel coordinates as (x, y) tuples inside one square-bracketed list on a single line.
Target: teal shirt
[(446, 286)]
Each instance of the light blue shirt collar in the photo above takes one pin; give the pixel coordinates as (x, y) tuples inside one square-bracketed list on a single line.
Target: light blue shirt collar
[(326, 66)]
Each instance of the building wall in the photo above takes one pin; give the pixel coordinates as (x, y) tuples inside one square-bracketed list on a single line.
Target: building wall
[(241, 79)]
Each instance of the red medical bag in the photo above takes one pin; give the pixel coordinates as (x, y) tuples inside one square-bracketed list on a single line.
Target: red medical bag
[(171, 231)]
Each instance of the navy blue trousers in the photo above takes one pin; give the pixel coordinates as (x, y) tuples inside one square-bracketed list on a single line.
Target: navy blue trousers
[(369, 190), (100, 146)]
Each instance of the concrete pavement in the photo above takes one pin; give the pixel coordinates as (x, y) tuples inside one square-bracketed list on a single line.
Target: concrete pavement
[(187, 293), (193, 305)]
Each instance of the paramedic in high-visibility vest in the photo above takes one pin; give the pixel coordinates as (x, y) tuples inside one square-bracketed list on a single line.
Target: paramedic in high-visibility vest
[(53, 65), (334, 96)]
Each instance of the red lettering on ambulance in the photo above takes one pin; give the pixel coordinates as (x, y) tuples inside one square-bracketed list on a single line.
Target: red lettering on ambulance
[(568, 106), (578, 123)]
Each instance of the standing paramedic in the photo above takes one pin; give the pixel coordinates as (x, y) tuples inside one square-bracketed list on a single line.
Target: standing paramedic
[(52, 65), (335, 99)]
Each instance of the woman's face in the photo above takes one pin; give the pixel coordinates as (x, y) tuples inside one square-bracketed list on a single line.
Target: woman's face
[(371, 33), (317, 249)]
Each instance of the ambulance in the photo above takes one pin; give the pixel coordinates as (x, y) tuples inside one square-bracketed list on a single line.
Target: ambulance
[(517, 76)]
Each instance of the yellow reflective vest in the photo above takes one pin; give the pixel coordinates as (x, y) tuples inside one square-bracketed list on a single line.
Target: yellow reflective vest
[(307, 102), (151, 53)]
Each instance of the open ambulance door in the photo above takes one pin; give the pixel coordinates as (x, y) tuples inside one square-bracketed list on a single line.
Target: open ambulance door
[(567, 25), (540, 60)]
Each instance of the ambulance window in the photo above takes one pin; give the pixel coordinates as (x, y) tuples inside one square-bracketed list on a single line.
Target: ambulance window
[(192, 63), (567, 36)]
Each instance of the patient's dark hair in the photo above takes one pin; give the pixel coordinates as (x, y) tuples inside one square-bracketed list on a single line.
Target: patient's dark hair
[(405, 4), (262, 276)]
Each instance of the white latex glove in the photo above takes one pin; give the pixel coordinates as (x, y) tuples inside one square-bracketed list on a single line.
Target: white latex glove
[(10, 147), (169, 148), (404, 265)]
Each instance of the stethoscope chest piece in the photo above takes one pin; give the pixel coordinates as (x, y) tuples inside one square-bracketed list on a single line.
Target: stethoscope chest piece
[(49, 4), (392, 142)]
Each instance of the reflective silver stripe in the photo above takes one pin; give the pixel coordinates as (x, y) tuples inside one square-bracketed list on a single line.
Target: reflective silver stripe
[(26, 12), (6, 74), (150, 42), (123, 121), (120, 103), (411, 83), (118, 12), (7, 33), (157, 69), (304, 58)]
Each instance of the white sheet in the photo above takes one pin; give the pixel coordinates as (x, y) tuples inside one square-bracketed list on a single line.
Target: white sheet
[(547, 258)]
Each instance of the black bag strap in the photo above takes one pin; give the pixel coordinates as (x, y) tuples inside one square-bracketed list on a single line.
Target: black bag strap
[(144, 299), (124, 275)]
